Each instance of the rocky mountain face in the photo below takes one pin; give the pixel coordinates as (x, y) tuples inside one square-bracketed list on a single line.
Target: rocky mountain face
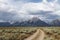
[(55, 22), (4, 24), (32, 22)]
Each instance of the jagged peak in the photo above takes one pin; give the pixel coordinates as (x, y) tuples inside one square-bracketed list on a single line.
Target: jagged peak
[(35, 18), (56, 20)]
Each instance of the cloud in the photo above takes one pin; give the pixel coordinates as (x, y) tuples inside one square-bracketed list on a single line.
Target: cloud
[(34, 1), (21, 10)]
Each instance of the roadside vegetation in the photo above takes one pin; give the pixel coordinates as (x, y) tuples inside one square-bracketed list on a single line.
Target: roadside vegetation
[(20, 33)]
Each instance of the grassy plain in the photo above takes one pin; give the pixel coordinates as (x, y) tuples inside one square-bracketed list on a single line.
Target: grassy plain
[(20, 33)]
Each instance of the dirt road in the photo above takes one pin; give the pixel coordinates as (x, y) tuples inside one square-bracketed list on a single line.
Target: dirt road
[(39, 35)]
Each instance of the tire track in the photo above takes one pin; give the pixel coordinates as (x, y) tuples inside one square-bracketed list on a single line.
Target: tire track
[(39, 35)]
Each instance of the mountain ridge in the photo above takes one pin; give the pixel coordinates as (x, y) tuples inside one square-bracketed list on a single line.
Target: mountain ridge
[(35, 21)]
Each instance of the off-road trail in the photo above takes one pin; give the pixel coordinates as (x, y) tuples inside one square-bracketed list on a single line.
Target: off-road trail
[(39, 35)]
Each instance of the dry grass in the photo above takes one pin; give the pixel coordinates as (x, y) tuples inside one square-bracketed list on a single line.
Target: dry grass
[(20, 33)]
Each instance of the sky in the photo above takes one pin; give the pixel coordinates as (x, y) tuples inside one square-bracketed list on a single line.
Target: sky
[(21, 10)]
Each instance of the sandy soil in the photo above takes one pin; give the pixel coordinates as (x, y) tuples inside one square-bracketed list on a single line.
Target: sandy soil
[(39, 35)]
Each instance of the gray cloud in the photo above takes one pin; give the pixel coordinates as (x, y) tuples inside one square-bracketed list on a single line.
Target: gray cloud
[(46, 14), (40, 12), (18, 10), (34, 1)]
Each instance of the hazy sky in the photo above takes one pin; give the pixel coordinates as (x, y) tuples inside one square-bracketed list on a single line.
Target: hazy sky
[(17, 10)]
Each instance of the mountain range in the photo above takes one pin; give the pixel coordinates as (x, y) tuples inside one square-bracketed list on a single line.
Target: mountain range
[(55, 22), (32, 22)]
